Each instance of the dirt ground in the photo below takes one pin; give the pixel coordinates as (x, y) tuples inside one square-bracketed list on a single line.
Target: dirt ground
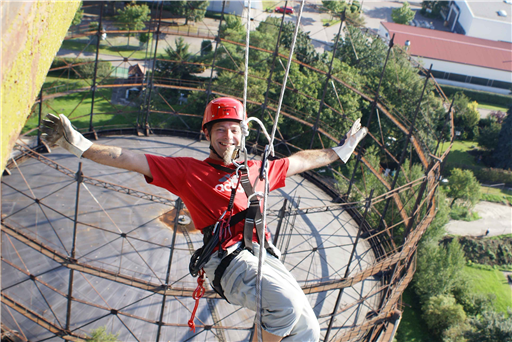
[(495, 217)]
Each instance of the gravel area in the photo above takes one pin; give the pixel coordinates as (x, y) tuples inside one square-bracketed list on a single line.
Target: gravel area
[(495, 217)]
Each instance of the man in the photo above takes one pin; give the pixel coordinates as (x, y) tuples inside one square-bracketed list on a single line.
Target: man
[(206, 187)]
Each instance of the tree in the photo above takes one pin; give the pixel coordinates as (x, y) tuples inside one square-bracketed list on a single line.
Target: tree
[(466, 115), (334, 7), (78, 15), (439, 269), (403, 15), (441, 312), (490, 327), (178, 66), (100, 335), (489, 135), (132, 17), (503, 151), (190, 10), (464, 185)]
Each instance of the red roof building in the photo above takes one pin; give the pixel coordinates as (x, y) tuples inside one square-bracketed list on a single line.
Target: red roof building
[(474, 62)]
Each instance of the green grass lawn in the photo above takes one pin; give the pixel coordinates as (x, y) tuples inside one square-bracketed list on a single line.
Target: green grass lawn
[(412, 327), (491, 281), (131, 50), (459, 152), (77, 107), (492, 107)]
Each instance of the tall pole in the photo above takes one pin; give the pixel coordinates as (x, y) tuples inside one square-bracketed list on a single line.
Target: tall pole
[(93, 87), (178, 206), (373, 108), (347, 270), (406, 145), (79, 178), (327, 79), (150, 83)]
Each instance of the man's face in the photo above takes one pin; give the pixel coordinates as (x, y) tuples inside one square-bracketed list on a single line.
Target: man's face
[(224, 137)]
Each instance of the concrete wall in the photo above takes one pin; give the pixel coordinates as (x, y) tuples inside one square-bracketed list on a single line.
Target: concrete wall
[(32, 33)]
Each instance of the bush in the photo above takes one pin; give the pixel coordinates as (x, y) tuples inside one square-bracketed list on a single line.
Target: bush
[(461, 213), (483, 174), (84, 70), (491, 327), (479, 96), (441, 312)]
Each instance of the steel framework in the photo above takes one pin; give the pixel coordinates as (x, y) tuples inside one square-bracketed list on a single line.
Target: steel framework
[(393, 263)]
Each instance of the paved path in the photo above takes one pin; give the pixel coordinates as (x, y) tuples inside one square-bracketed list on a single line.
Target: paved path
[(495, 217)]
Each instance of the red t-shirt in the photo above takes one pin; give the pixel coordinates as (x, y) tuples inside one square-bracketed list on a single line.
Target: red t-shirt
[(206, 191)]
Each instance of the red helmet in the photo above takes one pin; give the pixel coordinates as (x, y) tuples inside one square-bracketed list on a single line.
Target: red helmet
[(223, 108)]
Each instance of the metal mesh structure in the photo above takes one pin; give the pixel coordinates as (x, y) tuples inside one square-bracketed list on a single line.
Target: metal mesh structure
[(86, 246)]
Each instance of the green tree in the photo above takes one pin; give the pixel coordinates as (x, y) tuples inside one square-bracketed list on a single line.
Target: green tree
[(101, 335), (441, 312), (403, 15), (466, 115), (190, 10), (439, 269), (503, 151), (132, 17), (180, 62), (491, 327), (334, 7), (489, 136), (464, 185), (78, 15)]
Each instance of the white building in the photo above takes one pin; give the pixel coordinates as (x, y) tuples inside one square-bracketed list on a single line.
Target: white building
[(457, 59), (482, 19), (234, 6)]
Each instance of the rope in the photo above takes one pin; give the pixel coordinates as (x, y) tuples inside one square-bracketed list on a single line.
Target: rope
[(243, 125), (198, 293), (261, 255)]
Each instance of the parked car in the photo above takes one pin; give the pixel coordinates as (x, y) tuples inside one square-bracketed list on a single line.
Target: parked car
[(282, 9)]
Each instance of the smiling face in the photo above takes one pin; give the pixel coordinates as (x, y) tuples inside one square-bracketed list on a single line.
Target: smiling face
[(224, 137)]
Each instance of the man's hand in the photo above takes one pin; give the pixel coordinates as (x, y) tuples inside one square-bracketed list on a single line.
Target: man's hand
[(354, 136), (59, 131)]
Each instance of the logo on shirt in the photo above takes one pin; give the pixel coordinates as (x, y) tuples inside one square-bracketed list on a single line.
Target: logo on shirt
[(228, 183)]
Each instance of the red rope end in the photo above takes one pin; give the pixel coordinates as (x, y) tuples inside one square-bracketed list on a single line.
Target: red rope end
[(198, 293)]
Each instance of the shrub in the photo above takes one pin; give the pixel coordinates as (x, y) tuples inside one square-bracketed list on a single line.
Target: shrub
[(441, 312), (84, 70), (479, 96), (483, 174)]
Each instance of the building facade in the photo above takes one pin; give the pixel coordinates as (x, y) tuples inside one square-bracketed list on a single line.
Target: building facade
[(484, 19), (456, 59)]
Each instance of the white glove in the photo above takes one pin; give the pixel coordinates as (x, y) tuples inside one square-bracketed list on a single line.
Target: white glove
[(354, 136), (59, 131)]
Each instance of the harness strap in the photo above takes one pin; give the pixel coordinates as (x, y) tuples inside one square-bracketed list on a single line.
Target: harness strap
[(219, 271)]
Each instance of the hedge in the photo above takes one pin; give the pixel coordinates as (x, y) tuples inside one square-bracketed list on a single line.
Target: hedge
[(84, 70), (479, 96), (483, 174)]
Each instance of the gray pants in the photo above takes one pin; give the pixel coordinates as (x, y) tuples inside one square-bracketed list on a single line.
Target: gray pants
[(286, 310)]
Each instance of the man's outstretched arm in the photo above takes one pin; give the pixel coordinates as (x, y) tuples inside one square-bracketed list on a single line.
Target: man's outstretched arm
[(58, 130), (312, 159), (118, 157)]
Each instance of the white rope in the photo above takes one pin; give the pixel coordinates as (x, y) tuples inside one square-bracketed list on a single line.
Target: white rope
[(243, 125), (261, 256)]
